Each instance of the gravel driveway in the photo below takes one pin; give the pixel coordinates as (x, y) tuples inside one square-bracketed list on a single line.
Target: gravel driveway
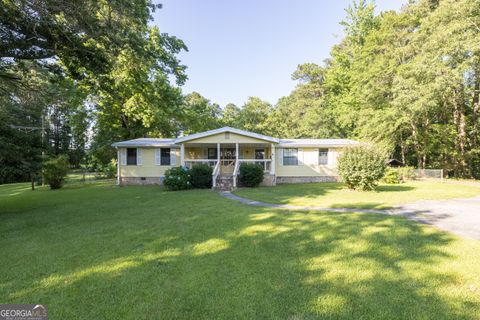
[(458, 216)]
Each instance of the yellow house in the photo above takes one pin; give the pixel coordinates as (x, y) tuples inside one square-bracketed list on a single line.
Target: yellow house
[(145, 160)]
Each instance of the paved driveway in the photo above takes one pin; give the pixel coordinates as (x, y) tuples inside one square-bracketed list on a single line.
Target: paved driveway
[(458, 216)]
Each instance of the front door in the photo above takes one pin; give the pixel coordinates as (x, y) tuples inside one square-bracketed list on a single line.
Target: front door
[(260, 155), (227, 153)]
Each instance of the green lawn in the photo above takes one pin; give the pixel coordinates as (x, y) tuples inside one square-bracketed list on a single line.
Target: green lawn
[(97, 251), (335, 195)]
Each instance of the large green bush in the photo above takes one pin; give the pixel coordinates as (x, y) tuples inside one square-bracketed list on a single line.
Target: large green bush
[(177, 178), (251, 174), (201, 176), (361, 167), (55, 170)]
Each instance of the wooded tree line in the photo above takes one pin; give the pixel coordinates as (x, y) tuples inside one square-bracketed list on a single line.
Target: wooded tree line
[(95, 72), (408, 81)]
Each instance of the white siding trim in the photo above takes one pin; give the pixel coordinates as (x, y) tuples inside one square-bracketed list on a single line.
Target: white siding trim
[(157, 156), (123, 157), (173, 158)]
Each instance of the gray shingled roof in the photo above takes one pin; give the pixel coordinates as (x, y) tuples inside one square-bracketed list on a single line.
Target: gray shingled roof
[(162, 142), (316, 142), (146, 142)]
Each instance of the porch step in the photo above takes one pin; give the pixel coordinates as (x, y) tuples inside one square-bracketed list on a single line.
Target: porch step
[(224, 183)]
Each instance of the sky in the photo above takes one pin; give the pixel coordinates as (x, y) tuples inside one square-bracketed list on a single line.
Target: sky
[(239, 49)]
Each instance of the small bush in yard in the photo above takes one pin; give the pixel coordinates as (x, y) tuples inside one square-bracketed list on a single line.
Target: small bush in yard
[(109, 170), (392, 176), (406, 173), (55, 171), (201, 175), (251, 174), (177, 178), (361, 167)]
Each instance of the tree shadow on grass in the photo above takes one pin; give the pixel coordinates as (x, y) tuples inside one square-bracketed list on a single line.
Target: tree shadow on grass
[(234, 261)]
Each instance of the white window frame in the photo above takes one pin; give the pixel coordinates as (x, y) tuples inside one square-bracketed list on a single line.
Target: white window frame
[(285, 150), (169, 157), (323, 161), (136, 157)]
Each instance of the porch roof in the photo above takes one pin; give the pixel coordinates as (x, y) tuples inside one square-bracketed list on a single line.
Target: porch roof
[(223, 130)]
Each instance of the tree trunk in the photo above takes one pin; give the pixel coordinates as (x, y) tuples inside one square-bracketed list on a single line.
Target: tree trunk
[(416, 145), (475, 109), (460, 123)]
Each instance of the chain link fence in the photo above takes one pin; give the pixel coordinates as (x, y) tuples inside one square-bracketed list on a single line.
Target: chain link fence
[(428, 173)]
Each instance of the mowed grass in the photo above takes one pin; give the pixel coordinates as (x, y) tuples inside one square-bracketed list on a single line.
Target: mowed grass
[(336, 195), (101, 252)]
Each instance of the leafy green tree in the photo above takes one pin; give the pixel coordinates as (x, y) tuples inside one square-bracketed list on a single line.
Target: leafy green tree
[(303, 114), (84, 36), (254, 114), (199, 114), (20, 138), (137, 98), (231, 116)]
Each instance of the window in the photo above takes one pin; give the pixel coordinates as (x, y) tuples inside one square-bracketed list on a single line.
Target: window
[(165, 157), (131, 156), (323, 156), (290, 157), (212, 153)]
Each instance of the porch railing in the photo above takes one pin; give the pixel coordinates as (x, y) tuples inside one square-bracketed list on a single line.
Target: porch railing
[(215, 172), (265, 163), (190, 162)]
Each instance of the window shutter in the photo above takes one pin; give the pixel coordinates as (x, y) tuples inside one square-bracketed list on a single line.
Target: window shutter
[(280, 155), (123, 157), (205, 153), (332, 155), (310, 157), (173, 157), (139, 156), (157, 156)]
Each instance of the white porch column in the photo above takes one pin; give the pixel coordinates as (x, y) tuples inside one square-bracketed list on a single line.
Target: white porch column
[(236, 152), (218, 154), (272, 163), (236, 163), (118, 167), (182, 155)]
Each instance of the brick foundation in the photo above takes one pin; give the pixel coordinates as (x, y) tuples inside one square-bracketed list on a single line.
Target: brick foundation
[(269, 180), (281, 180), (125, 181)]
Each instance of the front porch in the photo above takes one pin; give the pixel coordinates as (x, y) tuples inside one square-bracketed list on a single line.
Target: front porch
[(225, 158)]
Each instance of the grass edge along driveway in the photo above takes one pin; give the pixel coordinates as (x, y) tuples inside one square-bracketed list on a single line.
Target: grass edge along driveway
[(98, 251), (336, 195)]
